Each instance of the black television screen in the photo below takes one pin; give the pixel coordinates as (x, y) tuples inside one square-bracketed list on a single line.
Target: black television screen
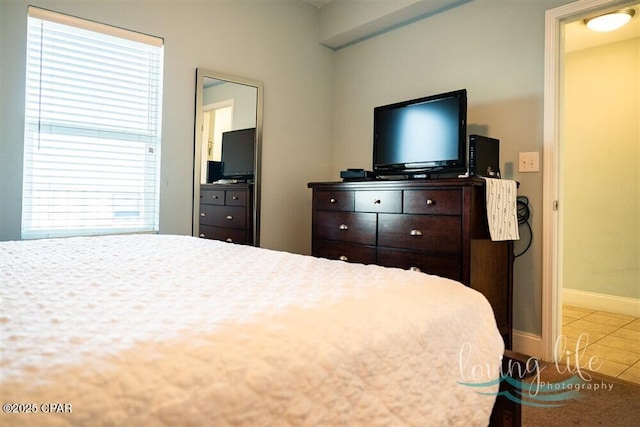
[(425, 135), (238, 149)]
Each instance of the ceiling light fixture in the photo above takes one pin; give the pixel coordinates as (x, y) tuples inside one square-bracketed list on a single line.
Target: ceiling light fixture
[(610, 21)]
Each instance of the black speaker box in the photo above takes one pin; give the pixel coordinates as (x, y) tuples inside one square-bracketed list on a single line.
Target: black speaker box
[(484, 156), (214, 171)]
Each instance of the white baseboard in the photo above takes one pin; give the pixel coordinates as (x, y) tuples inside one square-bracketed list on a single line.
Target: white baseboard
[(595, 301), (527, 344)]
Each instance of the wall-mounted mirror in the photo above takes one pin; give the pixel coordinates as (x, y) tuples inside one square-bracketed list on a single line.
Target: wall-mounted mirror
[(227, 153)]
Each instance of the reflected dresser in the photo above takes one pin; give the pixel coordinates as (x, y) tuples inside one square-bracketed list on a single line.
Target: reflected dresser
[(226, 212)]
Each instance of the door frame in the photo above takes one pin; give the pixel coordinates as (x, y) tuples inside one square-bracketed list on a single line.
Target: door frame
[(552, 147)]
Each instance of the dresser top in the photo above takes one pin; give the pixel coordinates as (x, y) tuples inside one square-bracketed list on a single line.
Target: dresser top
[(402, 183)]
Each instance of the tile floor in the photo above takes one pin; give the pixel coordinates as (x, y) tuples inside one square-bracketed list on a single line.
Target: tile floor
[(613, 338)]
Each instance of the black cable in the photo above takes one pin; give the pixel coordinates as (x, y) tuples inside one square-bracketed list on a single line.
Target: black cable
[(524, 213)]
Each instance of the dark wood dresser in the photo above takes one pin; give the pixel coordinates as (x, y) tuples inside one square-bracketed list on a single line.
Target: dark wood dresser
[(226, 212), (434, 226)]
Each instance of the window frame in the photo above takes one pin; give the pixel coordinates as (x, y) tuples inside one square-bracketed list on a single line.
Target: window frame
[(54, 121)]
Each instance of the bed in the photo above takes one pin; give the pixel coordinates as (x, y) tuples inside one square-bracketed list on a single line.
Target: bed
[(175, 330)]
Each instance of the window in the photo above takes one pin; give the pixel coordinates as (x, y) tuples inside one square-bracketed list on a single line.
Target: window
[(92, 128)]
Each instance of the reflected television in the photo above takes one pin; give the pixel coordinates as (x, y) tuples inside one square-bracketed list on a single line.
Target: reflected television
[(238, 153)]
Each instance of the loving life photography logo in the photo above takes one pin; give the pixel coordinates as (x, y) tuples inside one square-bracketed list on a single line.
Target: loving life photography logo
[(524, 380)]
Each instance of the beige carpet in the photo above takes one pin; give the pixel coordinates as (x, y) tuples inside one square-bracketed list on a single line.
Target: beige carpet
[(600, 401)]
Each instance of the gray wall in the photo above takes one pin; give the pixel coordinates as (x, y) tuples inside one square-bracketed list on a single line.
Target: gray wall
[(494, 49), (274, 41), (244, 102)]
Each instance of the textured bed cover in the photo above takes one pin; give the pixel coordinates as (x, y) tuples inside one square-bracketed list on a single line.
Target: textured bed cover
[(175, 330)]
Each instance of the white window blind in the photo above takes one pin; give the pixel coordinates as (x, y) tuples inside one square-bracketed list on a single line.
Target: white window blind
[(92, 128)]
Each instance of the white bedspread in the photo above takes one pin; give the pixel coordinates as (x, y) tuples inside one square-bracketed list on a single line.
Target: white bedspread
[(174, 330)]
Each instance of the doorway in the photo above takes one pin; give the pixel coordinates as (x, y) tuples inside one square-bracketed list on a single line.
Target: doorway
[(216, 119), (572, 246)]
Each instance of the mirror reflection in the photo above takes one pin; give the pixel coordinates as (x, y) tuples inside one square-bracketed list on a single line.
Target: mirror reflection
[(227, 158), (229, 120)]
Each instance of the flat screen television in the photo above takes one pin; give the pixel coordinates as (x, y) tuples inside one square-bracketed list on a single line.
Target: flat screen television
[(421, 136), (238, 153)]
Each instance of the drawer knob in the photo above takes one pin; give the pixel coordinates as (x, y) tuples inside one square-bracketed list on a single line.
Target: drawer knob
[(343, 227), (229, 217), (332, 200), (430, 202), (202, 235), (415, 269), (415, 233), (203, 214), (235, 198), (343, 258), (377, 201), (214, 197), (229, 239)]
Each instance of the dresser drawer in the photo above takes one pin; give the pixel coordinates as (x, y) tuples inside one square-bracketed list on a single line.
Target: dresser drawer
[(379, 201), (327, 200), (223, 216), (212, 197), (421, 232), (235, 198), (450, 267), (344, 251), (441, 202), (353, 227), (231, 235)]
